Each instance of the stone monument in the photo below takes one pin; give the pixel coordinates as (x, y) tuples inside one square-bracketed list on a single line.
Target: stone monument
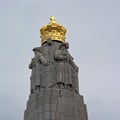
[(54, 90)]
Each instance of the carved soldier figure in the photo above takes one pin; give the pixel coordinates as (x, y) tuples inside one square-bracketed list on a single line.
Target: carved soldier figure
[(36, 66), (63, 70), (74, 75)]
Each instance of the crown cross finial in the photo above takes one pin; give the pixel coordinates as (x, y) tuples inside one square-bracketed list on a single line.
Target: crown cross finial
[(52, 19)]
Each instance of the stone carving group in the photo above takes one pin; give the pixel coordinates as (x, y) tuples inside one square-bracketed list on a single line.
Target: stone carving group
[(66, 71)]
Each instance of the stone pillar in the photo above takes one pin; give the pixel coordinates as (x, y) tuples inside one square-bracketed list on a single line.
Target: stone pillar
[(56, 76)]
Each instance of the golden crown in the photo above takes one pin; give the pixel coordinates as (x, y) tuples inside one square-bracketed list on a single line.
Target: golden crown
[(53, 31)]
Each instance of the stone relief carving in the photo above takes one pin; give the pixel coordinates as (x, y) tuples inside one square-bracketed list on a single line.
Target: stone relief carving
[(36, 65), (63, 69), (67, 70), (74, 75)]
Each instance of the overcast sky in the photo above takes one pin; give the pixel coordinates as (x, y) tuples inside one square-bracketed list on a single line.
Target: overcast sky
[(93, 32)]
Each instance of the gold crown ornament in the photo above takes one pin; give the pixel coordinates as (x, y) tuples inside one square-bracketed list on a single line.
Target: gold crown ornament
[(53, 31)]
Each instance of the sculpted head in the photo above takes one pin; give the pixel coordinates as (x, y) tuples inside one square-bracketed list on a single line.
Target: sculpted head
[(36, 50), (64, 46)]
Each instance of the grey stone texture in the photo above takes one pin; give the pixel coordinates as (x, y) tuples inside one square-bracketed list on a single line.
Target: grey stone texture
[(54, 90)]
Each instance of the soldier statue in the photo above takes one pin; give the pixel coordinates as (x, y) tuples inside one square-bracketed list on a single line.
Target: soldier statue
[(36, 66), (63, 70)]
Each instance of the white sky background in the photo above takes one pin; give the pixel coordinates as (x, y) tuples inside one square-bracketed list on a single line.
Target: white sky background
[(93, 32)]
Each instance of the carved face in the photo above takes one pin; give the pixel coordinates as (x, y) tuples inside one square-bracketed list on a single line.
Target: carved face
[(36, 52), (62, 47)]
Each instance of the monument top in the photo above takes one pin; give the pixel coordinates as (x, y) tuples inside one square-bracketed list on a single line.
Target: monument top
[(52, 30)]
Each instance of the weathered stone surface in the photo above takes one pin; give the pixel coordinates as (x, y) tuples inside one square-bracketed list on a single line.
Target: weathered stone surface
[(54, 93)]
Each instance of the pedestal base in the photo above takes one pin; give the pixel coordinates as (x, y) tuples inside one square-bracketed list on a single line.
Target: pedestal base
[(55, 104)]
